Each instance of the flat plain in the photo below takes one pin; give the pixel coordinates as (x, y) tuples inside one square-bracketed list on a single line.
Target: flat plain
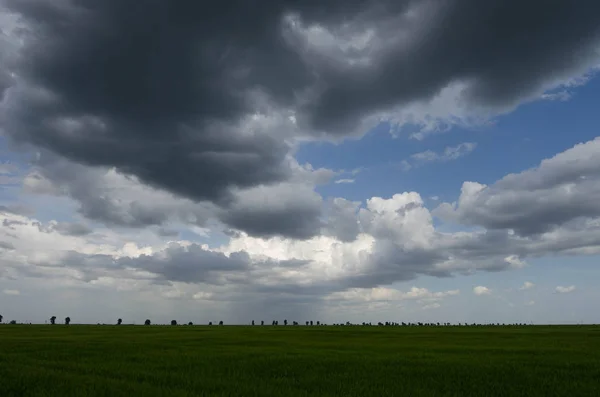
[(79, 360)]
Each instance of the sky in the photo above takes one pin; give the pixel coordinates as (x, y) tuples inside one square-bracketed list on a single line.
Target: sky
[(362, 161)]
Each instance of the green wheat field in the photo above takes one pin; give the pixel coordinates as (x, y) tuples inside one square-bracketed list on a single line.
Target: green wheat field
[(80, 360)]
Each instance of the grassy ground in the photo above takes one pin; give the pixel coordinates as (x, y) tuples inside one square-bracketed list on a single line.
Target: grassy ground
[(298, 361)]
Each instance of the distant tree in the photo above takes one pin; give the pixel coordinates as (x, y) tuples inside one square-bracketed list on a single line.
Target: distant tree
[(210, 323), (67, 320), (318, 323), (284, 322), (311, 323), (13, 322), (147, 322), (262, 322), (1, 318), (221, 322), (252, 322), (190, 323), (119, 322), (173, 322), (307, 323), (53, 320)]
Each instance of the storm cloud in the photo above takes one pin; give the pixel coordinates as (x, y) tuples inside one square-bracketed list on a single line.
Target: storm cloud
[(203, 101)]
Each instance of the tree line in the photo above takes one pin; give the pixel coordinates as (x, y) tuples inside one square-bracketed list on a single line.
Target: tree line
[(67, 321)]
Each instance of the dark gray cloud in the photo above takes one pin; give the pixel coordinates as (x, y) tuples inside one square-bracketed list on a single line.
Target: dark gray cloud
[(6, 245), (167, 91), (478, 42), (158, 97), (191, 264), (341, 219), (165, 232), (10, 223), (291, 210), (65, 228)]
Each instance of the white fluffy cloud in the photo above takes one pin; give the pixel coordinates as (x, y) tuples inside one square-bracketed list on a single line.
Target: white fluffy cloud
[(390, 294), (527, 285), (481, 290), (560, 193), (564, 290)]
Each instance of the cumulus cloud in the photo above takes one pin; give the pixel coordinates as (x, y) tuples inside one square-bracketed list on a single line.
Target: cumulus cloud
[(342, 221), (481, 290), (11, 292), (564, 290), (289, 209), (363, 249), (189, 120), (527, 285), (362, 245), (213, 107), (431, 306), (562, 190), (116, 199), (339, 181), (390, 294)]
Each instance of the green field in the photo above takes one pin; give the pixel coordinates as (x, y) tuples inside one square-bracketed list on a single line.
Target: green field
[(299, 361)]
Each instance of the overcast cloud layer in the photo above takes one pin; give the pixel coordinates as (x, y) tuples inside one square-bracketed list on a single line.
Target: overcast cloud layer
[(165, 115)]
